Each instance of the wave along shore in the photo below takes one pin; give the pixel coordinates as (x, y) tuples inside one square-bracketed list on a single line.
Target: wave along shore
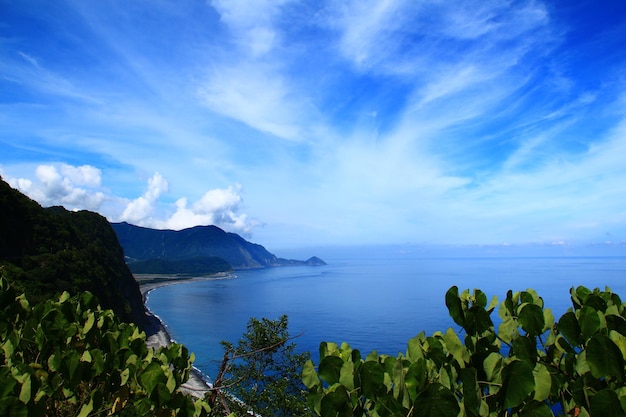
[(156, 332)]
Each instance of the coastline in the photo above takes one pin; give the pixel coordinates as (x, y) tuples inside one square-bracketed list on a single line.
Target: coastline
[(156, 333)]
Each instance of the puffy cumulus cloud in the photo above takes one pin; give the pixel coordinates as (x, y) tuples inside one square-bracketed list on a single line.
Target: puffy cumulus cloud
[(80, 187), (139, 210), (82, 175), (219, 207), (75, 188)]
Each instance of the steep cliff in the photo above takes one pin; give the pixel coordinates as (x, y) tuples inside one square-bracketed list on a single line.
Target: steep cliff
[(45, 251)]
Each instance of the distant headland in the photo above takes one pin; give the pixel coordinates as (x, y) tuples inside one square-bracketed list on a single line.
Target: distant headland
[(196, 250)]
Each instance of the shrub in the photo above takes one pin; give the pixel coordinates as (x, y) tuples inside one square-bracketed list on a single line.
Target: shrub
[(530, 366), (69, 357)]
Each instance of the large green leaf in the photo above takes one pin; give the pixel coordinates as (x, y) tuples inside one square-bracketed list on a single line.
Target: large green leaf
[(415, 379), (346, 375), (7, 383), (548, 319), (591, 321), (596, 302), (471, 392), (72, 361), (568, 326), (525, 348), (25, 391), (415, 349), (480, 299), (606, 403), (98, 361), (372, 379), (536, 409), (604, 357), (151, 376), (455, 307), (508, 304), (517, 382), (493, 366), (436, 401), (531, 319), (456, 348), (91, 319), (336, 404), (330, 369), (579, 295), (543, 382), (309, 376), (508, 329), (477, 321)]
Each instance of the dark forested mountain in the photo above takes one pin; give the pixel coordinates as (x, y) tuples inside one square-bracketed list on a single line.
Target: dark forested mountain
[(47, 251), (192, 266), (143, 244)]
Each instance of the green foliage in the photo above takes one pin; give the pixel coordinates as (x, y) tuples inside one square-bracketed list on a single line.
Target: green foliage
[(261, 375), (48, 251), (69, 357), (530, 366), (198, 265)]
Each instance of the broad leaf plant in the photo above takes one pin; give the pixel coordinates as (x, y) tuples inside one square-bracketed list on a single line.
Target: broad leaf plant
[(530, 365)]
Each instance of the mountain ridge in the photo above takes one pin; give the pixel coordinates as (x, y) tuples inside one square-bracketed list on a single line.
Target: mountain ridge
[(145, 244)]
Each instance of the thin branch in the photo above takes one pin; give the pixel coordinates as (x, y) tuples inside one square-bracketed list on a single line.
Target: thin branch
[(263, 349)]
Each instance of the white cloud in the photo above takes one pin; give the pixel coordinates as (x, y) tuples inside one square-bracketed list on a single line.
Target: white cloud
[(62, 186), (58, 185), (219, 207), (367, 28), (249, 93), (251, 23), (139, 210), (82, 175), (407, 38)]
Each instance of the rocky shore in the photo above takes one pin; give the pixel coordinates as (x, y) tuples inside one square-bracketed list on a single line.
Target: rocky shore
[(156, 333)]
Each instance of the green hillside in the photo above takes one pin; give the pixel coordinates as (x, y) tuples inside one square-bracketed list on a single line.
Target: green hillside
[(47, 251), (197, 266), (144, 244)]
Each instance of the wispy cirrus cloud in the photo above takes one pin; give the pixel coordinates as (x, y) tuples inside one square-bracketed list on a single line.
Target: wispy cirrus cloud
[(474, 121), (255, 96)]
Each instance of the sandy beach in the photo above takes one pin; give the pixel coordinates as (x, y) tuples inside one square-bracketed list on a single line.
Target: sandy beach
[(156, 333)]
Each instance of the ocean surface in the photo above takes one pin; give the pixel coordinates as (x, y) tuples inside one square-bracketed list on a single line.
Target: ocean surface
[(372, 304)]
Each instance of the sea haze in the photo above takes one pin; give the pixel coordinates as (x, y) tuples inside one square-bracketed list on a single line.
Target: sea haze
[(371, 303)]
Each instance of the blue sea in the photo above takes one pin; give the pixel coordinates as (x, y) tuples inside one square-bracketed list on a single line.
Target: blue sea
[(372, 303)]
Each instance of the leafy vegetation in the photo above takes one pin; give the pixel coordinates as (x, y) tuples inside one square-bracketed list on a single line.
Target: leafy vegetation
[(69, 357), (261, 375), (531, 366)]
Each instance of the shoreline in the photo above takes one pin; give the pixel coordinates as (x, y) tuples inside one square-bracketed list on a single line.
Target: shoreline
[(156, 332)]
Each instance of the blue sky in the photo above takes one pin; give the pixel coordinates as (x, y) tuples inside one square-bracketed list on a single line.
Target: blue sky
[(308, 123)]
